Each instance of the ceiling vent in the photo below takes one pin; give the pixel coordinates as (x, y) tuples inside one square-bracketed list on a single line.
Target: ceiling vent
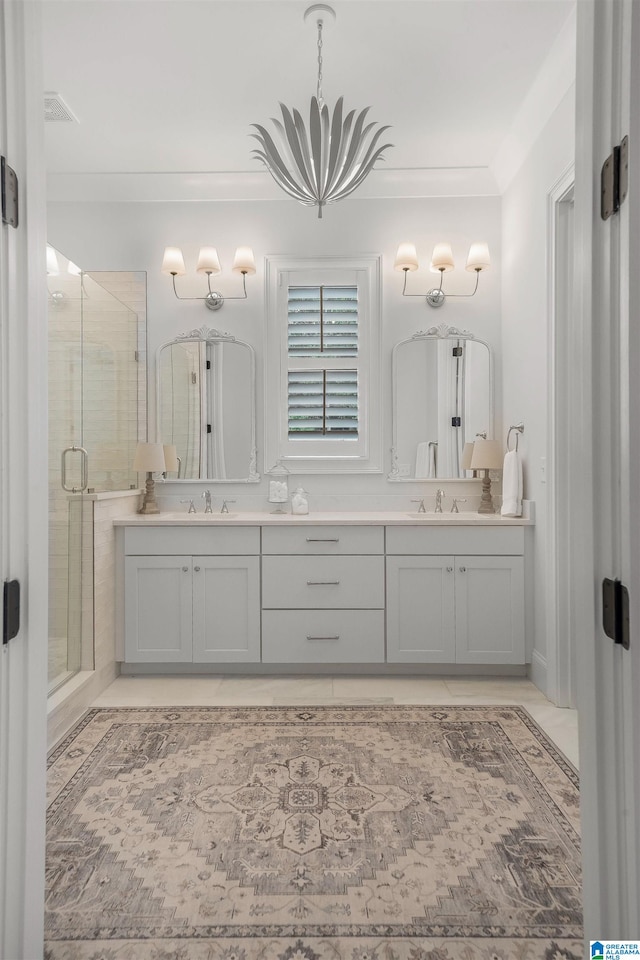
[(56, 110)]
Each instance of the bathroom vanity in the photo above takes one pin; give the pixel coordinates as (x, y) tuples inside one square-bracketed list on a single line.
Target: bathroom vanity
[(370, 588)]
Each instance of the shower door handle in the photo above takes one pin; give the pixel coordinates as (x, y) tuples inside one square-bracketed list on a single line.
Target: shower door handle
[(85, 469)]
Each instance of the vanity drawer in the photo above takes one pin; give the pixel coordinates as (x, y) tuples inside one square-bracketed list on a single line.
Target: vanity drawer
[(480, 541), (323, 636), (323, 582), (323, 540), (204, 541)]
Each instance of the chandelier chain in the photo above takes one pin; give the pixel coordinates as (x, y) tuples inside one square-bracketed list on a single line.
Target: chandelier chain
[(319, 88)]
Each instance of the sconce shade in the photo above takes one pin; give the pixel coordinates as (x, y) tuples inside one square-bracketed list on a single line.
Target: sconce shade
[(52, 262), (170, 458), (467, 454), (478, 258), (149, 458), (244, 261), (406, 257), (208, 261), (173, 262), (487, 455), (442, 258)]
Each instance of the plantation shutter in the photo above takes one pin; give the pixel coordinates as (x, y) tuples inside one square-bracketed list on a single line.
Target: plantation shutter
[(322, 397)]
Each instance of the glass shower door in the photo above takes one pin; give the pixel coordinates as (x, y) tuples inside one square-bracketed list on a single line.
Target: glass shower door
[(68, 472)]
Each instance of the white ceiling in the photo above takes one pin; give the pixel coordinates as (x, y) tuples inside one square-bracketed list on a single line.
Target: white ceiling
[(174, 85)]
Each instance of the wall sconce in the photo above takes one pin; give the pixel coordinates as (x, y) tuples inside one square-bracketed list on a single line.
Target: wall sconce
[(442, 262), (208, 262)]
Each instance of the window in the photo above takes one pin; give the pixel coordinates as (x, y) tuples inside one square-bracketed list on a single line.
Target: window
[(323, 365)]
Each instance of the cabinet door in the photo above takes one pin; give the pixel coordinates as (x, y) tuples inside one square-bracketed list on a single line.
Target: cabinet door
[(226, 609), (157, 609), (420, 610), (490, 610)]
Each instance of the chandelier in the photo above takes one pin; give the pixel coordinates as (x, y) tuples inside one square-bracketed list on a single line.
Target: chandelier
[(333, 158)]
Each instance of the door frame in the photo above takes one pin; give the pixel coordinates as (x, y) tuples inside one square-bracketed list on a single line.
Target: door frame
[(561, 444), (23, 488)]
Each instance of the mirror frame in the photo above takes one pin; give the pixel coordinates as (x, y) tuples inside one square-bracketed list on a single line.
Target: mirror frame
[(440, 332), (209, 335)]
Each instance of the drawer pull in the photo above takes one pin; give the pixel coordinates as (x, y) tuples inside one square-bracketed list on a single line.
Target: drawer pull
[(323, 539), (322, 639), (323, 583)]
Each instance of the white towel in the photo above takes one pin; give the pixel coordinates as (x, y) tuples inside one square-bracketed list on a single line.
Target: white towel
[(512, 485), (422, 460)]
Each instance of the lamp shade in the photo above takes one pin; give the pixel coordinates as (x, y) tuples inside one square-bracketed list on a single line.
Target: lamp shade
[(244, 261), (478, 258), (406, 257), (149, 458), (487, 455), (170, 457), (467, 454), (173, 262), (208, 261), (442, 258)]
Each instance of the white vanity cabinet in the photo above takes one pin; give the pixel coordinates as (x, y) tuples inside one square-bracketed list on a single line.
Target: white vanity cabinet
[(323, 594), (446, 607), (192, 607)]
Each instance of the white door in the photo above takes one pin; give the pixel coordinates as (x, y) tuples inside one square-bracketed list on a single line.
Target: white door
[(606, 483), (420, 610), (489, 609), (226, 609), (23, 490)]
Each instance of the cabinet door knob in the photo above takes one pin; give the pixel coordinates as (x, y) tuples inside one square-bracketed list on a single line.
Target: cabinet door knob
[(185, 569), (197, 569), (462, 569), (449, 569)]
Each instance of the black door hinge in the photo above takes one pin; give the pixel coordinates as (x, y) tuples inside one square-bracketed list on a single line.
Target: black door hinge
[(614, 180), (10, 610), (456, 421), (456, 352), (208, 364), (615, 611), (9, 192), (208, 428)]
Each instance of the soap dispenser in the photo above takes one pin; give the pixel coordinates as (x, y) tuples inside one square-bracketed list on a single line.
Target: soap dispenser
[(299, 501)]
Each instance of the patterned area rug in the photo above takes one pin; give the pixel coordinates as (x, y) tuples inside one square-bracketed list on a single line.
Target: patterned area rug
[(320, 833)]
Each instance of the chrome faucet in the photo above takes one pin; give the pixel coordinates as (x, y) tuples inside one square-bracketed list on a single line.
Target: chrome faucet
[(192, 506), (456, 501), (439, 495), (225, 508), (206, 496), (421, 508)]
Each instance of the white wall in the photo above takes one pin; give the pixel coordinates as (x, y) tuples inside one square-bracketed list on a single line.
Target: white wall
[(132, 236), (525, 320)]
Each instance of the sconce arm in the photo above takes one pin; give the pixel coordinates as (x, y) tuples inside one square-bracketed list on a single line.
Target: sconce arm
[(214, 299)]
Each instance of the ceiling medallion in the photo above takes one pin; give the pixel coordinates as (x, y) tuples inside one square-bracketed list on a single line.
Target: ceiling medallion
[(334, 157)]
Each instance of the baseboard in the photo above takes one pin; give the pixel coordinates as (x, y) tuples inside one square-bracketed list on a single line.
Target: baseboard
[(325, 669), (538, 672), (73, 699)]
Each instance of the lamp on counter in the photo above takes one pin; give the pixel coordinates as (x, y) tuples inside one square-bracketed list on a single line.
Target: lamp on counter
[(467, 453), (208, 262), (487, 455), (442, 262), (150, 459)]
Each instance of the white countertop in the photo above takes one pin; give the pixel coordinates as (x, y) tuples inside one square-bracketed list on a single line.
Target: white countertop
[(380, 518)]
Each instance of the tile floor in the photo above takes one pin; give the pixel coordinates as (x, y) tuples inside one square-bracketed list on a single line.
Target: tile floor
[(559, 724)]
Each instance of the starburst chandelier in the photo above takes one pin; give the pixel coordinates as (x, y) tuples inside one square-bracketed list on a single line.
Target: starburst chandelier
[(333, 158)]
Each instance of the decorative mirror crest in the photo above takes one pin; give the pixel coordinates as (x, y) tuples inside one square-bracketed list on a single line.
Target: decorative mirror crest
[(204, 333)]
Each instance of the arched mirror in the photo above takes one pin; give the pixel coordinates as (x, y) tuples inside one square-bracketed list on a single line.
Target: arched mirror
[(442, 390), (206, 405)]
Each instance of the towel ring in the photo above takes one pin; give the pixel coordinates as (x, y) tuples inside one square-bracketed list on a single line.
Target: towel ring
[(519, 428)]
